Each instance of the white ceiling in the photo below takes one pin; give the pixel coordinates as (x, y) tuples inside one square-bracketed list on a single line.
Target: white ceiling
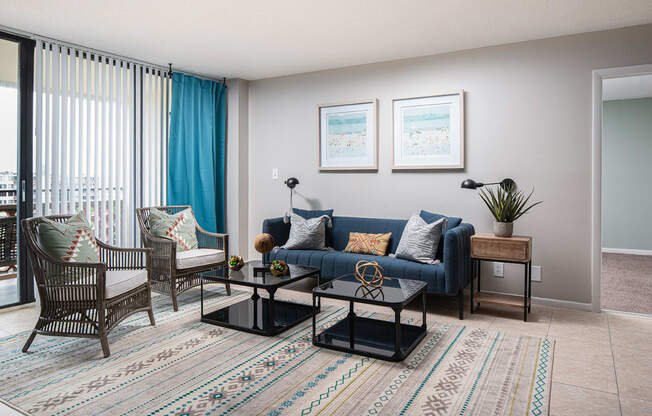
[(639, 86), (256, 39)]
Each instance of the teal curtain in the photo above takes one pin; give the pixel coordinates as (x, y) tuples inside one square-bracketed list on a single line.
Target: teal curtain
[(196, 149)]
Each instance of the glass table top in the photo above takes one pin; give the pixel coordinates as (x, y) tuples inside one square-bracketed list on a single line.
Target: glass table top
[(393, 290), (255, 274)]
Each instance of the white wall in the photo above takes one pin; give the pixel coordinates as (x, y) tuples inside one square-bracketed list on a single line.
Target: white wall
[(237, 166), (528, 117)]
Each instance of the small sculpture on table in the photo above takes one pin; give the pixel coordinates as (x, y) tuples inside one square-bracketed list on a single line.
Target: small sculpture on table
[(375, 280), (264, 243), (278, 268), (236, 263)]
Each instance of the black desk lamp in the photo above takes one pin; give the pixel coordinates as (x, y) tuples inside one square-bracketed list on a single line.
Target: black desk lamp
[(505, 184), (291, 183)]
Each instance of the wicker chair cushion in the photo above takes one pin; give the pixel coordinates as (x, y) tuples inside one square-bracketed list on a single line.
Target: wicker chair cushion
[(122, 281), (199, 257), (71, 241), (179, 227)]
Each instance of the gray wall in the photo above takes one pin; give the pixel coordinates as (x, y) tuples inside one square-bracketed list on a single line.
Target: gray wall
[(528, 117), (626, 173)]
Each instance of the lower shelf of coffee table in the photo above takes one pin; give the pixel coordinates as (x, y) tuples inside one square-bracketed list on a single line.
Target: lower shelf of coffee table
[(371, 337), (254, 316)]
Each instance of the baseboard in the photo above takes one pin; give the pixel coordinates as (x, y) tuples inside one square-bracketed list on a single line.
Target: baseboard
[(559, 303), (633, 251)]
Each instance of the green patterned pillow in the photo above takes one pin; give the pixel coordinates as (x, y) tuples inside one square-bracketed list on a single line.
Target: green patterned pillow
[(179, 227), (72, 241)]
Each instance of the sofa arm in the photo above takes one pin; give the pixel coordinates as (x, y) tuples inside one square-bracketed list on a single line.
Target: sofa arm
[(457, 258), (278, 229)]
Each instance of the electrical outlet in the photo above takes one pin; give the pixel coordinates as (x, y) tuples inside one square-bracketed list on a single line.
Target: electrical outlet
[(275, 173), (499, 270), (536, 273)]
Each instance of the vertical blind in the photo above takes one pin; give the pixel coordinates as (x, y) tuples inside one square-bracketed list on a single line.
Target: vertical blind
[(100, 138)]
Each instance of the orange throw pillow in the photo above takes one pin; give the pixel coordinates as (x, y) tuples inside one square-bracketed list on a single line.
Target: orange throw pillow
[(363, 243)]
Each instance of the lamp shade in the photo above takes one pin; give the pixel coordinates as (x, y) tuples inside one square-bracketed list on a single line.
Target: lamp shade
[(471, 184)]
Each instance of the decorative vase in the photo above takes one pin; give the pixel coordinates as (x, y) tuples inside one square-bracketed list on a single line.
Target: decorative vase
[(236, 263), (503, 229), (278, 268)]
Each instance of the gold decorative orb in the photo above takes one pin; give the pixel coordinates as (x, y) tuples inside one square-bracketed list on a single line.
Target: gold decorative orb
[(264, 243), (375, 280)]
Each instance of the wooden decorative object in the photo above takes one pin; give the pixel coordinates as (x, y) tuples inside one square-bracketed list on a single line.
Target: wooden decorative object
[(264, 243), (375, 280), (236, 263), (278, 268), (491, 247)]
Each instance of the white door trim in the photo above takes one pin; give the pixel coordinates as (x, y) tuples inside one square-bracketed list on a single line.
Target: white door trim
[(596, 171)]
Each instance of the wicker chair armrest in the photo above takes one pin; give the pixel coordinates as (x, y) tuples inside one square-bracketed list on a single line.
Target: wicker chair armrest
[(56, 273), (212, 240), (121, 258)]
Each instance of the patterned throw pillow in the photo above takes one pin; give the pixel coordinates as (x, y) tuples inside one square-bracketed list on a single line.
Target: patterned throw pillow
[(363, 243), (179, 227), (420, 240), (71, 241), (307, 234)]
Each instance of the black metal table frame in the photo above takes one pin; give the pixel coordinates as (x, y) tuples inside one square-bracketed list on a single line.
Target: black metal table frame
[(527, 281), (399, 354), (271, 304)]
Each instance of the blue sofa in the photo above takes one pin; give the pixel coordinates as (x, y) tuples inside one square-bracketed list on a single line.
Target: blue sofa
[(449, 277)]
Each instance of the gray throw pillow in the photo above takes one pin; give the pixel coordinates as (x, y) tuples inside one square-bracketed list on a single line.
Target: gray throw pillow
[(420, 240), (307, 234)]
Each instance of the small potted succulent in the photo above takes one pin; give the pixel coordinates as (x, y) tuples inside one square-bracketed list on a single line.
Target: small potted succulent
[(506, 205), (236, 262), (278, 268)]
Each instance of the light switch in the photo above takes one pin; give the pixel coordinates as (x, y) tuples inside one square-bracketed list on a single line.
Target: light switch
[(536, 273), (275, 173)]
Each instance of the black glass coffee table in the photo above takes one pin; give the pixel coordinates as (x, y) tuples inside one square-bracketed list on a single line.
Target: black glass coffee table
[(263, 316), (392, 341)]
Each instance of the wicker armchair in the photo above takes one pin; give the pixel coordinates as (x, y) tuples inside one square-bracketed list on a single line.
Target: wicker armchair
[(169, 274), (88, 299), (8, 249)]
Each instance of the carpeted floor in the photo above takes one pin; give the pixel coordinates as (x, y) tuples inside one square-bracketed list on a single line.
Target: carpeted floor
[(627, 283), (184, 367)]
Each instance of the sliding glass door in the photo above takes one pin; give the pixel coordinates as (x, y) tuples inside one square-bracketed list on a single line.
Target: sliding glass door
[(16, 99)]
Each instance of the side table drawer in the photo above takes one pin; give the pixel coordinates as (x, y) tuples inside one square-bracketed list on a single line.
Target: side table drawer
[(507, 249)]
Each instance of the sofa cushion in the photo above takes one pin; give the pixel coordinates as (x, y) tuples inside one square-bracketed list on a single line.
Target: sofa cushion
[(420, 240), (336, 264), (307, 234), (363, 243), (122, 281), (342, 226), (453, 222), (198, 257), (310, 258), (315, 213)]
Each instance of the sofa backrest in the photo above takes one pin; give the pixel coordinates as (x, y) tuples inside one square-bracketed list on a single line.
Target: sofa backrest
[(342, 226)]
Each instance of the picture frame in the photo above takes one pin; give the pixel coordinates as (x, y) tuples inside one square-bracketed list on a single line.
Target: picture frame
[(347, 136), (428, 132)]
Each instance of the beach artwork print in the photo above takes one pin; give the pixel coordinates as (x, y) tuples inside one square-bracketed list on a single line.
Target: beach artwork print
[(347, 136), (428, 132)]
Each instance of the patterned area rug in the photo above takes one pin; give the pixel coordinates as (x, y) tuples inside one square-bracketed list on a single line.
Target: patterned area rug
[(184, 367)]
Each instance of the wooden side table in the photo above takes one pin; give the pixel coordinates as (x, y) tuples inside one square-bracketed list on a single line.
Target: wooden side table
[(516, 249)]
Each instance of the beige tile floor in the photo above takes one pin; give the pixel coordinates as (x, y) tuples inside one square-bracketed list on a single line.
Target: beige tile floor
[(602, 363)]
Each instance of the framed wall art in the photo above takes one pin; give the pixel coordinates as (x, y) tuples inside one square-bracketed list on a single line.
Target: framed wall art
[(348, 136), (428, 132)]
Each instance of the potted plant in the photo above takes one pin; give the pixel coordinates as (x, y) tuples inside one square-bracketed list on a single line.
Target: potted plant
[(507, 204), (236, 263), (278, 268)]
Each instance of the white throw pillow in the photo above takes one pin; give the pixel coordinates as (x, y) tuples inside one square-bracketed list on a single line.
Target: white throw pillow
[(420, 240), (307, 234)]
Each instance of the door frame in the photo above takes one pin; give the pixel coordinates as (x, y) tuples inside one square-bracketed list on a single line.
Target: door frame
[(24, 185), (596, 172)]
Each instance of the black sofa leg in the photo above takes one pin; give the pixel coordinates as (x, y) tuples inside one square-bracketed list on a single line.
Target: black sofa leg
[(460, 304)]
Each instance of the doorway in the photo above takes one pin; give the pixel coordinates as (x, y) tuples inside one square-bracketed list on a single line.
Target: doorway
[(622, 203), (16, 100)]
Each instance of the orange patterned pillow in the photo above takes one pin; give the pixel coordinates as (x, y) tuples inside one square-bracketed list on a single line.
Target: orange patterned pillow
[(363, 243)]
